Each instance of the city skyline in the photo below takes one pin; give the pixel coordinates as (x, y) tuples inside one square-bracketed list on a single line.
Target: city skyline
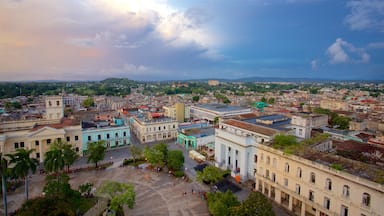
[(173, 40)]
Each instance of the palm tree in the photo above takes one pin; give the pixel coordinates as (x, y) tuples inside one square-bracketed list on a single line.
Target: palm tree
[(69, 155), (54, 160), (23, 163), (4, 173)]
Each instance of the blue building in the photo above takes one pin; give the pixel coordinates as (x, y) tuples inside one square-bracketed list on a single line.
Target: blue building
[(115, 133)]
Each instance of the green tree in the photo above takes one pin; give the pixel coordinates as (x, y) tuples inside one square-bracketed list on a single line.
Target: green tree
[(4, 173), (341, 121), (154, 156), (136, 152), (255, 205), (119, 193), (58, 186), (163, 148), (23, 164), (216, 120), (96, 152), (175, 160), (271, 100), (210, 175), (263, 99), (220, 203), (87, 103), (70, 155), (54, 161), (196, 98)]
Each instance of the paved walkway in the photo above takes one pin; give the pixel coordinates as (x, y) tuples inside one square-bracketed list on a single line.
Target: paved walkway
[(156, 193)]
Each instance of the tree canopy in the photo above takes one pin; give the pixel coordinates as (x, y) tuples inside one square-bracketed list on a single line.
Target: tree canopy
[(119, 193), (175, 160), (96, 152), (210, 174), (220, 203), (255, 205)]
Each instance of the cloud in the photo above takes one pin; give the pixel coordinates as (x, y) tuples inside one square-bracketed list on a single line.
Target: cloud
[(365, 14), (376, 45), (314, 65), (343, 52)]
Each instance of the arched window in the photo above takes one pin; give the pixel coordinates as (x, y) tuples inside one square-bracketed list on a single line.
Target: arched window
[(286, 168), (346, 191), (312, 177), (267, 173), (268, 160), (328, 184), (366, 199), (274, 163), (299, 172)]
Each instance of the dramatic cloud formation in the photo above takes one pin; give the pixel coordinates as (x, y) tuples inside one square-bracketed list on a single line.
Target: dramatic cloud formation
[(171, 39), (366, 14), (343, 52)]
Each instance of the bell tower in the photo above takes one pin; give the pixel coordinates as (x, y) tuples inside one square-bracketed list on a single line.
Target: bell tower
[(54, 107)]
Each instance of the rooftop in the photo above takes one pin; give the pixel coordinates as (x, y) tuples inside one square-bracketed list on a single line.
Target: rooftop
[(348, 158), (278, 122), (221, 107), (200, 132), (252, 127), (64, 123)]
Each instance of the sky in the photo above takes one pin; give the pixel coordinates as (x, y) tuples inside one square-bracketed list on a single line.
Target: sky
[(191, 39)]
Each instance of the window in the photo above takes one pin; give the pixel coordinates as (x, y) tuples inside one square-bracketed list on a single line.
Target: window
[(173, 126), (268, 160), (328, 184), (37, 143), (262, 157), (76, 138), (164, 127), (68, 139), (267, 173), (327, 203), (286, 168), (346, 191), (116, 143), (298, 188), (21, 144), (299, 172), (273, 177), (16, 145), (89, 138), (37, 155), (159, 128), (99, 137), (344, 210), (312, 178), (108, 136), (286, 182), (311, 196), (125, 133), (255, 158), (116, 135), (366, 199), (49, 141), (57, 103), (50, 103), (59, 139), (77, 149), (274, 162)]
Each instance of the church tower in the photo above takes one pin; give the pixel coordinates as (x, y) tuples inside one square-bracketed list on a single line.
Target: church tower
[(54, 107)]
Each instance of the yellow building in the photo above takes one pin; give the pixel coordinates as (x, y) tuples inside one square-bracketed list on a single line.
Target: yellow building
[(308, 186), (156, 129), (41, 134), (179, 111)]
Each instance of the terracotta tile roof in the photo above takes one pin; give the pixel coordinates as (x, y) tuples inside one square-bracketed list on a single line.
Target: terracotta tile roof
[(248, 116), (252, 127), (64, 123)]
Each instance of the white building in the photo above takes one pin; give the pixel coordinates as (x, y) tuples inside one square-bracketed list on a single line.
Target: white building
[(303, 123), (236, 145)]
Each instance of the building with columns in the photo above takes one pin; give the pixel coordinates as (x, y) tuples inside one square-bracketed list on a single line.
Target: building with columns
[(308, 185), (236, 142)]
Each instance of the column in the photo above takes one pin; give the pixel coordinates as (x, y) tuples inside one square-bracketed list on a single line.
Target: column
[(302, 208), (290, 202), (278, 196)]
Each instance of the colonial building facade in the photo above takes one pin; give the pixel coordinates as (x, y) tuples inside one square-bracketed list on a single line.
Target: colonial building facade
[(151, 130), (307, 187)]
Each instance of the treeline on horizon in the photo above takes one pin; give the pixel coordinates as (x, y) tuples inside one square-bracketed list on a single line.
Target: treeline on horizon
[(123, 86)]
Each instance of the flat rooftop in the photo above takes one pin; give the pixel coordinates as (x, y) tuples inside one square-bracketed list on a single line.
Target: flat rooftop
[(221, 107), (200, 132), (278, 122)]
